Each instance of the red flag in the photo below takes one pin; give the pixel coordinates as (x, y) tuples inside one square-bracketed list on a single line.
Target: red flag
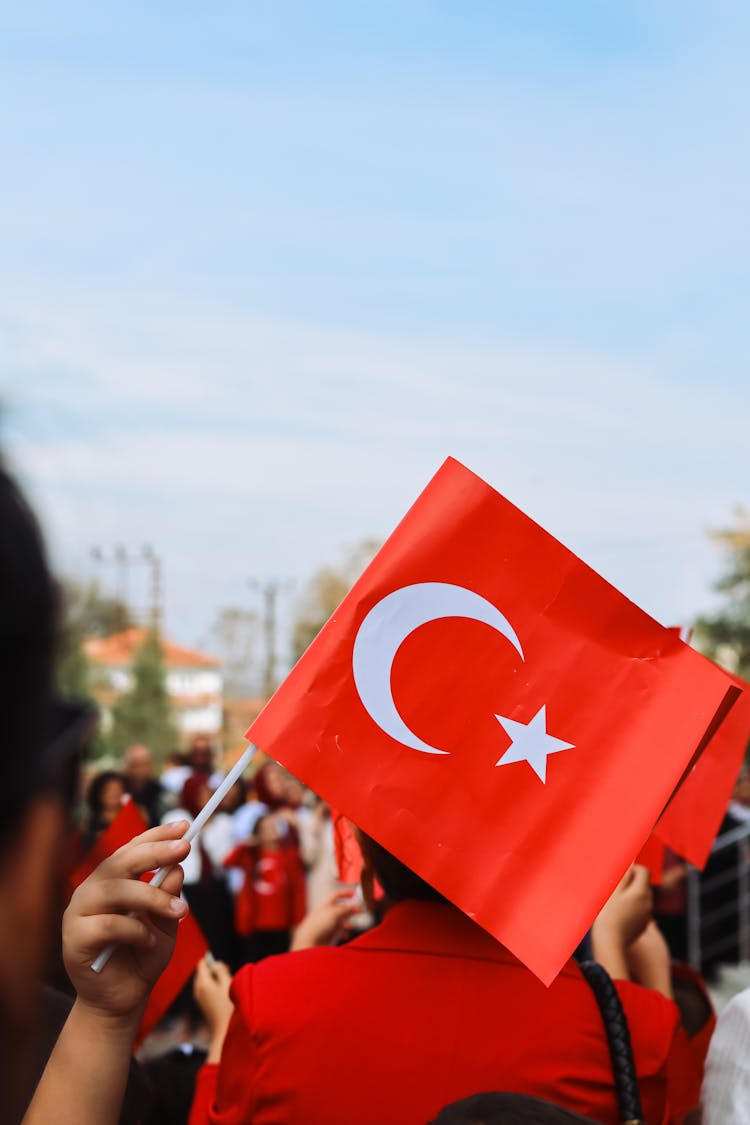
[(190, 944), (691, 820), (127, 824), (651, 856), (496, 715), (189, 947)]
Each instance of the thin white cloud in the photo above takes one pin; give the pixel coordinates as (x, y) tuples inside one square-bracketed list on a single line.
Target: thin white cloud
[(235, 444)]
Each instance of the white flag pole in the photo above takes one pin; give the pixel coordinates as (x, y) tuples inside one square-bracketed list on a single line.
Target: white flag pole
[(208, 810)]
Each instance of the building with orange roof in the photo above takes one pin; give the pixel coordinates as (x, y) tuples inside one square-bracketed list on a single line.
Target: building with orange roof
[(193, 679)]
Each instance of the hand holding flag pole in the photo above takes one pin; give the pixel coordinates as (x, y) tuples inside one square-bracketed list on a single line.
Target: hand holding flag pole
[(207, 811)]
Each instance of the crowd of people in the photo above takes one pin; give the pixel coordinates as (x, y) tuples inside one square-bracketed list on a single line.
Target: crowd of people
[(316, 1012), (264, 857)]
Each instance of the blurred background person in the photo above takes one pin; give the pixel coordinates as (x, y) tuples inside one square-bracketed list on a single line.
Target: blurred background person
[(201, 755), (725, 1097), (218, 835), (141, 783), (318, 852), (218, 842), (206, 892), (174, 775), (271, 783), (271, 899), (246, 815), (104, 797)]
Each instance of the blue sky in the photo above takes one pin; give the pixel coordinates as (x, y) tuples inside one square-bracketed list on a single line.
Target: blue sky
[(263, 266)]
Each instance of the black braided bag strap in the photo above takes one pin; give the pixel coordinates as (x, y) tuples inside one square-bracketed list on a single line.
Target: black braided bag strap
[(618, 1038)]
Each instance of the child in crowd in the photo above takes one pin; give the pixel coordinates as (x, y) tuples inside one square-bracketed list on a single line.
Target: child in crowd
[(271, 898)]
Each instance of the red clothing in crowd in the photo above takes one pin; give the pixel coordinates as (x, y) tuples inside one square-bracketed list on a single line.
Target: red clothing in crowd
[(422, 1010), (272, 896)]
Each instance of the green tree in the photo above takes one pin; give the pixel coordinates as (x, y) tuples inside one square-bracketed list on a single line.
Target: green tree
[(324, 593), (85, 612), (72, 668), (96, 614), (725, 635), (144, 713)]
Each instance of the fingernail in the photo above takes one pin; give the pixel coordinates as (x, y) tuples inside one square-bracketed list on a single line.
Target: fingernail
[(177, 905), (175, 845)]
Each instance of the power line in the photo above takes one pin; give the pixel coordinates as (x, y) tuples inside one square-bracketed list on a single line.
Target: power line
[(269, 592), (123, 560)]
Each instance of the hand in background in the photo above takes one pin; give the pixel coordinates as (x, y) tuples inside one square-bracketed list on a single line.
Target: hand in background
[(98, 914), (211, 990), (622, 920), (649, 961), (321, 925), (628, 910), (673, 876)]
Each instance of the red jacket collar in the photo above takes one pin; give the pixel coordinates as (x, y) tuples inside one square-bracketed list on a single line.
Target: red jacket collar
[(417, 926)]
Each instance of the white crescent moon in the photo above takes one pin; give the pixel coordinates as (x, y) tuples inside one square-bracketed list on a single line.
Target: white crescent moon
[(387, 626)]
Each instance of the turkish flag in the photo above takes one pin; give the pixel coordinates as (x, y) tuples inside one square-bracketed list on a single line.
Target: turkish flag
[(497, 716), (692, 818), (190, 944)]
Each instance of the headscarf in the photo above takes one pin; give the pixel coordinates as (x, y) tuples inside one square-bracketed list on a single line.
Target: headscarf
[(192, 793), (265, 794)]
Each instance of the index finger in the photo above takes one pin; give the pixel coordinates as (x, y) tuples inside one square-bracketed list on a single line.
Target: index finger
[(202, 971), (340, 895), (641, 875), (158, 847)]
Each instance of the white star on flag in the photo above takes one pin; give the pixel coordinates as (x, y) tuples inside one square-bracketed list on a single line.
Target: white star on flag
[(531, 743)]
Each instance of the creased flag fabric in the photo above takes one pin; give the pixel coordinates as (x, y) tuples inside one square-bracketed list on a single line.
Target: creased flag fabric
[(692, 818), (496, 715)]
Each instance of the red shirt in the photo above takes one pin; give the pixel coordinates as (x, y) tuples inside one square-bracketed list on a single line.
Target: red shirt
[(424, 1009), (273, 894), (274, 907)]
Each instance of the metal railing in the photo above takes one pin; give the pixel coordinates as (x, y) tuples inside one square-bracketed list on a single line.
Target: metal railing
[(705, 942)]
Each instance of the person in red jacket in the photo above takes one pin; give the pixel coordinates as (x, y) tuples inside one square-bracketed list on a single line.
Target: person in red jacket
[(423, 1010), (272, 899)]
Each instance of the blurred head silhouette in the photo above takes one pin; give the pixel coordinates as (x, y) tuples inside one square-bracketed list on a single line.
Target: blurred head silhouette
[(507, 1109), (32, 769)]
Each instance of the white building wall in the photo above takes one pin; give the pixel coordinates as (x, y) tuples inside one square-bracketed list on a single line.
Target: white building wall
[(120, 679), (200, 720), (182, 684), (192, 681)]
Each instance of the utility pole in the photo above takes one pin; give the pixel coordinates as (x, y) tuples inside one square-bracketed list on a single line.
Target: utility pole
[(269, 592), (153, 560), (123, 560)]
